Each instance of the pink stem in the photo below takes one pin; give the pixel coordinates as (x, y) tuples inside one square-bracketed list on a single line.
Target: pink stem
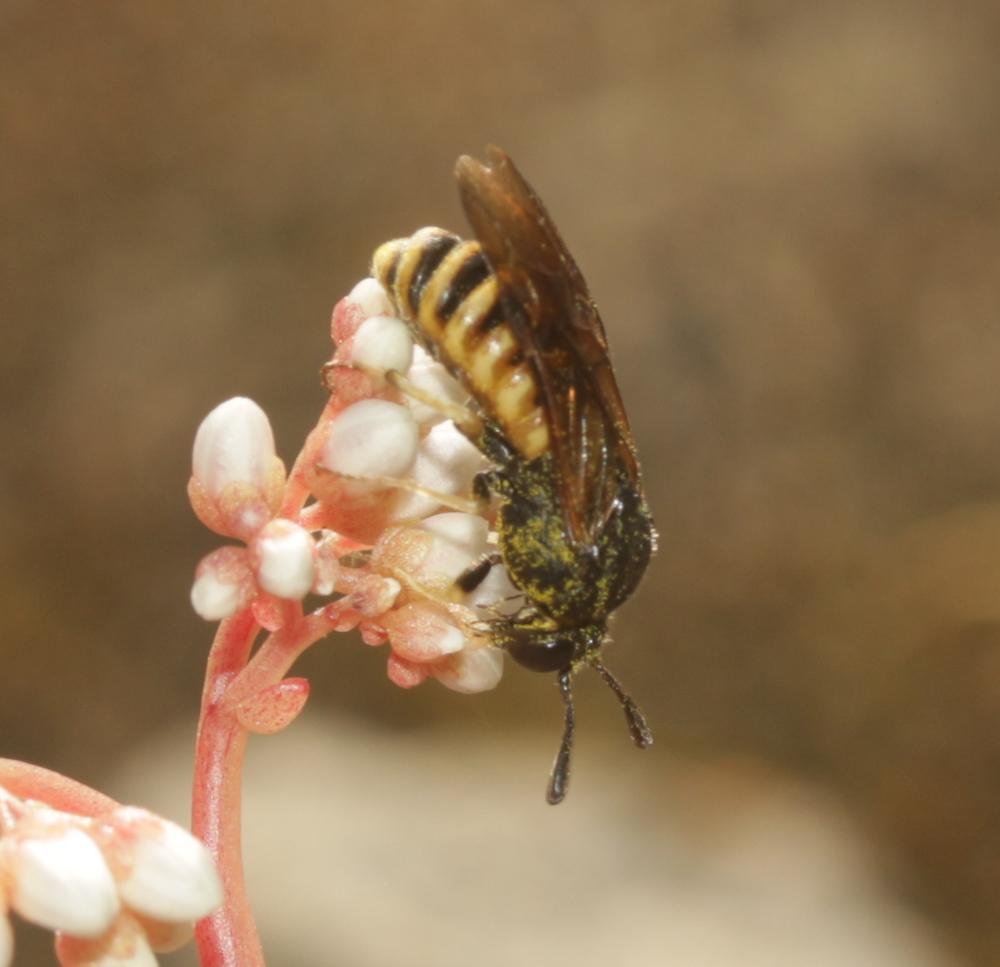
[(297, 489), (227, 938), (33, 782), (279, 651)]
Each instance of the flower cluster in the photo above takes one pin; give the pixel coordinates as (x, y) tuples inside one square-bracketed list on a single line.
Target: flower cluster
[(375, 515), (116, 887)]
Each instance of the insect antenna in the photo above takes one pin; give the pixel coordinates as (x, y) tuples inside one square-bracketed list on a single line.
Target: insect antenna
[(559, 780), (637, 725)]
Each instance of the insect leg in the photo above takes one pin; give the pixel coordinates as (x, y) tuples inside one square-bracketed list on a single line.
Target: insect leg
[(486, 483), (637, 725), (475, 574), (438, 596), (467, 505), (467, 421), (559, 780)]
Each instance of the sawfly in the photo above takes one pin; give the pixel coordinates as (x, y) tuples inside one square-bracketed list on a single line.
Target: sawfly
[(510, 317)]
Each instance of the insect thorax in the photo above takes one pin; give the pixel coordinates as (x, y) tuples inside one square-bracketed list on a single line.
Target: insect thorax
[(573, 585)]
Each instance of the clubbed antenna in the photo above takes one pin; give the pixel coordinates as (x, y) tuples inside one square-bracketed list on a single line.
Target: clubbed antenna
[(559, 780), (637, 725)]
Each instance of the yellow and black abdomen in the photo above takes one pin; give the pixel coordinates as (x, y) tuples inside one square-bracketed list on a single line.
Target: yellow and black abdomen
[(444, 288)]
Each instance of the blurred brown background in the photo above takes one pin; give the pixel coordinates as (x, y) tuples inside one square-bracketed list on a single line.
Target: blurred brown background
[(788, 214)]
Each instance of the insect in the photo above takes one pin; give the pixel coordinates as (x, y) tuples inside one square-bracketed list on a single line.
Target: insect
[(509, 315)]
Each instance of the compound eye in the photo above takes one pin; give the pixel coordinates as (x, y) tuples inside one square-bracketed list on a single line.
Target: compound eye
[(548, 654)]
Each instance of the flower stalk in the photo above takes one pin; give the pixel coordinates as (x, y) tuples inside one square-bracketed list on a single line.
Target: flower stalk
[(357, 522)]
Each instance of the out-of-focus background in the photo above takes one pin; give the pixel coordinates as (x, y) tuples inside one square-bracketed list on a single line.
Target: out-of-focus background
[(788, 215)]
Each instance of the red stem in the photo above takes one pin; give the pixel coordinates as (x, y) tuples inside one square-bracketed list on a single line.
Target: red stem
[(33, 782), (297, 488), (227, 938)]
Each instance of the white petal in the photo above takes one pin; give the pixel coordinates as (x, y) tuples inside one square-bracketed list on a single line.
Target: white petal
[(473, 670), (61, 881), (383, 343), (372, 438), (234, 444), (171, 874), (433, 379), (371, 297), (286, 559)]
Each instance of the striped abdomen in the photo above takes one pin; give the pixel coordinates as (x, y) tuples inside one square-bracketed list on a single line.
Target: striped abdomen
[(444, 288)]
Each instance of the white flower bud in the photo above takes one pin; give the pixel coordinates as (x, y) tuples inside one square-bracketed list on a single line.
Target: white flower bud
[(446, 463), (215, 600), (223, 584), (383, 343), (467, 532), (285, 556), (472, 670), (429, 376), (61, 881), (369, 295), (170, 875), (372, 438), (421, 633), (234, 444), (459, 541)]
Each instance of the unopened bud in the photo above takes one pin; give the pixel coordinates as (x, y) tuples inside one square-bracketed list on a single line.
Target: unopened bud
[(372, 299), (234, 444), (471, 670), (223, 584), (59, 880), (284, 555), (465, 532), (421, 633), (435, 552), (236, 480), (405, 674), (429, 376), (372, 438), (170, 874), (383, 343), (446, 463)]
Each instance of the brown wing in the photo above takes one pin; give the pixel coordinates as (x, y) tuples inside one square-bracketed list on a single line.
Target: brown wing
[(549, 309)]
